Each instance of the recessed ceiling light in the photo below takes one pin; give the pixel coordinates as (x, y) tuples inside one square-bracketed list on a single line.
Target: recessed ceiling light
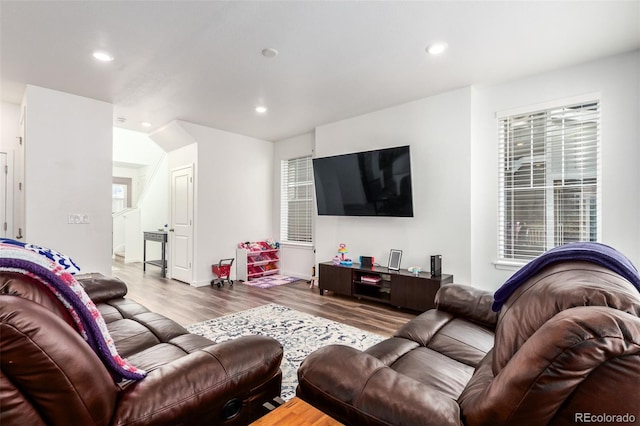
[(261, 109), (145, 124), (102, 56), (269, 52), (436, 48)]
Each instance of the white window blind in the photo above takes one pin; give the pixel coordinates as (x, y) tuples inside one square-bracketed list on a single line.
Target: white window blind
[(296, 200), (549, 179)]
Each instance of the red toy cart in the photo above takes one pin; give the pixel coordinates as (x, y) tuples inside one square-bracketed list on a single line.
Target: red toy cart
[(221, 272)]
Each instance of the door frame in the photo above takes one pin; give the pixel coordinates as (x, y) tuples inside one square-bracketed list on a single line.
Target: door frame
[(191, 189), (8, 201)]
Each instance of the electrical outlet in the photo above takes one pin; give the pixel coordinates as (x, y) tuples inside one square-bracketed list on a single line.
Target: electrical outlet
[(78, 218)]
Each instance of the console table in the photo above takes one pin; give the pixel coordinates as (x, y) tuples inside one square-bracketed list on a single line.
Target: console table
[(399, 288), (161, 237)]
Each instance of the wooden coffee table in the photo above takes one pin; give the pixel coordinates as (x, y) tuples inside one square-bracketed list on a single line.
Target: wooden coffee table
[(296, 412)]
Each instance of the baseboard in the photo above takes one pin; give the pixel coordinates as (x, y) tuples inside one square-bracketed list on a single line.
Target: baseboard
[(200, 283)]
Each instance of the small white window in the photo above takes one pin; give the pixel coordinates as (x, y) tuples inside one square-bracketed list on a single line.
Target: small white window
[(120, 194), (296, 200), (549, 179)]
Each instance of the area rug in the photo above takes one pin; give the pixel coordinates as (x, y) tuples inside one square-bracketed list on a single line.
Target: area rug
[(298, 332), (270, 281)]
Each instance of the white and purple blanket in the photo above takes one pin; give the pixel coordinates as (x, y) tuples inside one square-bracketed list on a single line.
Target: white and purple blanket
[(81, 308), (593, 252)]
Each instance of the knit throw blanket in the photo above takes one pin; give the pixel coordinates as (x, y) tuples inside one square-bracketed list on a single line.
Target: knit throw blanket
[(597, 253), (81, 308)]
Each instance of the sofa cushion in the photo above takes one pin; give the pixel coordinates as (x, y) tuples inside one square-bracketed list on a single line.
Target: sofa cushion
[(422, 328), (435, 370), (190, 342), (156, 356), (463, 341), (131, 337), (388, 351), (457, 338)]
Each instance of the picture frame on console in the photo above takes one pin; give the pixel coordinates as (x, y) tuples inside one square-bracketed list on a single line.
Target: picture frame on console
[(395, 256)]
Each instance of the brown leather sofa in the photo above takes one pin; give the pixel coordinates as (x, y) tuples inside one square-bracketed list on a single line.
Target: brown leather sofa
[(50, 375), (566, 350)]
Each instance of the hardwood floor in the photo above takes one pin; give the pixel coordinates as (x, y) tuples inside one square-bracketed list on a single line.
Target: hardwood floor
[(187, 305)]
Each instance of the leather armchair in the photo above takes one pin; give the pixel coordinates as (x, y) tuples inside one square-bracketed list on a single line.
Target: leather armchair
[(51, 376), (566, 348)]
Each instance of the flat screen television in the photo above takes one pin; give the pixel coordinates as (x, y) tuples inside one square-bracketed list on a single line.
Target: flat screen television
[(371, 183)]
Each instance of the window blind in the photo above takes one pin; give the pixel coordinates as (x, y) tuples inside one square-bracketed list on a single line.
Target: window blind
[(296, 200), (548, 179)]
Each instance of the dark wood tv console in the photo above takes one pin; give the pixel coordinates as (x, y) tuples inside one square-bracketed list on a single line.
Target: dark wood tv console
[(399, 288)]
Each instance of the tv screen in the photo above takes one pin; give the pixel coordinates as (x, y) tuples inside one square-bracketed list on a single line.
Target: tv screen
[(371, 183)]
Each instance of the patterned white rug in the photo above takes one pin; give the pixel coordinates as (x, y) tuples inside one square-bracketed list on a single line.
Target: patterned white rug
[(298, 332)]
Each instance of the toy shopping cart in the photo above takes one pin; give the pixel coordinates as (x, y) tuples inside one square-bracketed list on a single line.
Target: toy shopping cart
[(221, 272)]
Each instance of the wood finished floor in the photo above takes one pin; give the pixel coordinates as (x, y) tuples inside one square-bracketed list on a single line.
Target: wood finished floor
[(187, 305)]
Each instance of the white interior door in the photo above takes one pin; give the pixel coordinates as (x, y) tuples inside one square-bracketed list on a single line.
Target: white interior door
[(4, 199), (181, 239)]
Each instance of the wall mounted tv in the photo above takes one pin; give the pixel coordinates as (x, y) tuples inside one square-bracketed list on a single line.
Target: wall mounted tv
[(371, 183)]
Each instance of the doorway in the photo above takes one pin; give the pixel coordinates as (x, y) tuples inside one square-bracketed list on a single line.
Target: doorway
[(4, 197)]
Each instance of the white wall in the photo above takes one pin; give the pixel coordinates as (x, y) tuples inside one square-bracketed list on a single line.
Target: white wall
[(68, 152), (438, 132), (617, 80), (295, 259), (234, 193)]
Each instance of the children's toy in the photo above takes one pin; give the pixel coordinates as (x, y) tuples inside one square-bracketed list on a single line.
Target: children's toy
[(221, 272), (314, 279), (342, 250), (415, 269)]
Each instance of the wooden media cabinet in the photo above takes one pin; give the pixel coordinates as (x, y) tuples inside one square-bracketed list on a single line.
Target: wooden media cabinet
[(399, 288)]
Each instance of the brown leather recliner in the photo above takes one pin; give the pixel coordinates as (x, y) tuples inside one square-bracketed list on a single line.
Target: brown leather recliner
[(566, 350), (51, 376)]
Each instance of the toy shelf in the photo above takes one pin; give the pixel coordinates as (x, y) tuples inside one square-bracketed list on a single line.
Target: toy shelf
[(255, 263)]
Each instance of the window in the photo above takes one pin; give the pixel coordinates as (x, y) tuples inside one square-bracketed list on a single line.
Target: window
[(120, 194), (296, 200), (549, 179)]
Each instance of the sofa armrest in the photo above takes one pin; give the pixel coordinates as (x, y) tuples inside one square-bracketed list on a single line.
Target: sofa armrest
[(468, 302), (101, 288), (356, 388), (194, 389)]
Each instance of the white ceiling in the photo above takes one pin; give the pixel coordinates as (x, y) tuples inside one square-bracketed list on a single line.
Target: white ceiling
[(200, 61)]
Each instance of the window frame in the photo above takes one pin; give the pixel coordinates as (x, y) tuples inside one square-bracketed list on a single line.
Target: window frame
[(305, 235), (510, 260), (127, 183)]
